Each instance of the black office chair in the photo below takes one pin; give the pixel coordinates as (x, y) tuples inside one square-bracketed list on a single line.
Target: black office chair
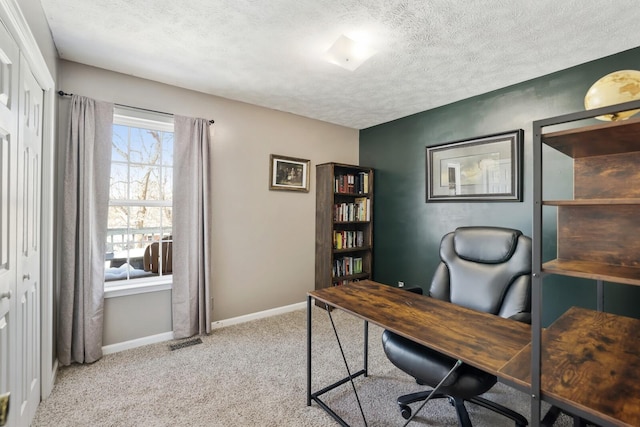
[(483, 268)]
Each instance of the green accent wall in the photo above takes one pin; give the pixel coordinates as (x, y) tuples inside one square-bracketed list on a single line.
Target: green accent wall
[(407, 230)]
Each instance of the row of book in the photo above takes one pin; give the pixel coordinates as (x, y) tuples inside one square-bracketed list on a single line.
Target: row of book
[(359, 210), (348, 239), (352, 183), (347, 266)]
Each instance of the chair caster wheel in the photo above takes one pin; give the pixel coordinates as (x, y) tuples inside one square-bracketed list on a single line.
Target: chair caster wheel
[(405, 411)]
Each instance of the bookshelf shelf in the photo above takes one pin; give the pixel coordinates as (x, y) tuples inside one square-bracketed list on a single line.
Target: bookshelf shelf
[(354, 249)]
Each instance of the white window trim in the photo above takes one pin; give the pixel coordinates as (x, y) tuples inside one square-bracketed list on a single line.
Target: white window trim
[(138, 286), (134, 117), (142, 119)]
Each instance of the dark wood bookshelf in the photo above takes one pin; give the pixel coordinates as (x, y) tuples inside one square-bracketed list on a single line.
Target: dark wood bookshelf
[(594, 227), (332, 181), (596, 231)]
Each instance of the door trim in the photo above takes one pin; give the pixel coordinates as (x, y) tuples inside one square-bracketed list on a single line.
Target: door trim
[(14, 20)]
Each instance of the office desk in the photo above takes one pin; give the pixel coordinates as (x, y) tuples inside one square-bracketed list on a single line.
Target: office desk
[(590, 366), (590, 359), (482, 340)]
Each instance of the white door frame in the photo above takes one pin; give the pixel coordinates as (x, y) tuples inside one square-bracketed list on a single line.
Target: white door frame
[(16, 23)]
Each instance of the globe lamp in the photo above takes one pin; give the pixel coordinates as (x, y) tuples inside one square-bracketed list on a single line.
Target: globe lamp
[(614, 88)]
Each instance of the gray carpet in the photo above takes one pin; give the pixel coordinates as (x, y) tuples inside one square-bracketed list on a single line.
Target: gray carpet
[(252, 374)]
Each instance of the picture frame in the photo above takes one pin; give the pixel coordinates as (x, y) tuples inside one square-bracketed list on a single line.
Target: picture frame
[(486, 168), (288, 173)]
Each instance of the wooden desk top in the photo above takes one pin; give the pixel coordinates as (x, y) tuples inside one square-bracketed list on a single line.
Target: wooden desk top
[(591, 361), (479, 339)]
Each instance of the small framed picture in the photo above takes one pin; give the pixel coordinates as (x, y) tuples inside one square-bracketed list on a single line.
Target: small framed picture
[(288, 173)]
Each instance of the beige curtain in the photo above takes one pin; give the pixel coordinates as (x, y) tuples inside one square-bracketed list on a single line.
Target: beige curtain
[(191, 227), (84, 227)]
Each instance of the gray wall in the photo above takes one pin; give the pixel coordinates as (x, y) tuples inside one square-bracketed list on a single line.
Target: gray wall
[(254, 267), (135, 316), (263, 251), (407, 230)]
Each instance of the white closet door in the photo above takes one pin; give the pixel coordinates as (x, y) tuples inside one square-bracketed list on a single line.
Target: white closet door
[(9, 68), (29, 219), (21, 105)]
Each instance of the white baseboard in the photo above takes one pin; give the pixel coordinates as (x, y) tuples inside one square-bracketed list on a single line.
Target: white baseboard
[(139, 342), (168, 336), (50, 378), (259, 315)]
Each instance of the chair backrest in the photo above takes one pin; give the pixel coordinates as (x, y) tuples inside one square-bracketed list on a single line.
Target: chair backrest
[(152, 254), (486, 269)]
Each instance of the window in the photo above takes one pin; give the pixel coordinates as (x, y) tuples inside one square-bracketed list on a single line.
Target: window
[(139, 227)]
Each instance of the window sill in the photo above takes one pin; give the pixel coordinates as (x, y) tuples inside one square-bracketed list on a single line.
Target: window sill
[(156, 285)]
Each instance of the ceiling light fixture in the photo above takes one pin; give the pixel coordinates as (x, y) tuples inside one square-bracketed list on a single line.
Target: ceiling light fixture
[(349, 54)]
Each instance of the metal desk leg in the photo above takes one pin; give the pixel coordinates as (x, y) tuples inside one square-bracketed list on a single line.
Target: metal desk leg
[(311, 396), (600, 295), (346, 365), (366, 348), (435, 389)]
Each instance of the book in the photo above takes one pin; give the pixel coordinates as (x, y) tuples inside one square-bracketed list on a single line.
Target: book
[(361, 203), (337, 239)]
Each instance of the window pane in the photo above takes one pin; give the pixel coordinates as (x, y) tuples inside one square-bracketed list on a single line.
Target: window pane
[(120, 253), (167, 148), (117, 221), (126, 260), (148, 223), (167, 221), (145, 223), (137, 247), (145, 146), (120, 146), (108, 253), (119, 182), (167, 184), (144, 182), (131, 252)]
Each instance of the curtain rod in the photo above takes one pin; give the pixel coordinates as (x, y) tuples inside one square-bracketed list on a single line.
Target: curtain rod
[(62, 93)]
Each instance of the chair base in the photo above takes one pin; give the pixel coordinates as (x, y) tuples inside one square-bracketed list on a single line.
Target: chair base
[(461, 410)]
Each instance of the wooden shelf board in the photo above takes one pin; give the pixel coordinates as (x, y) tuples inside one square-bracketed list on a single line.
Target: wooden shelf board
[(351, 194), (355, 249), (595, 271), (591, 202), (342, 167), (351, 277), (597, 140), (587, 359), (350, 222)]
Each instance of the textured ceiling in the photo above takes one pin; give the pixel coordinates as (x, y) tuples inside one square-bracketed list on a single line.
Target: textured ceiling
[(270, 52)]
